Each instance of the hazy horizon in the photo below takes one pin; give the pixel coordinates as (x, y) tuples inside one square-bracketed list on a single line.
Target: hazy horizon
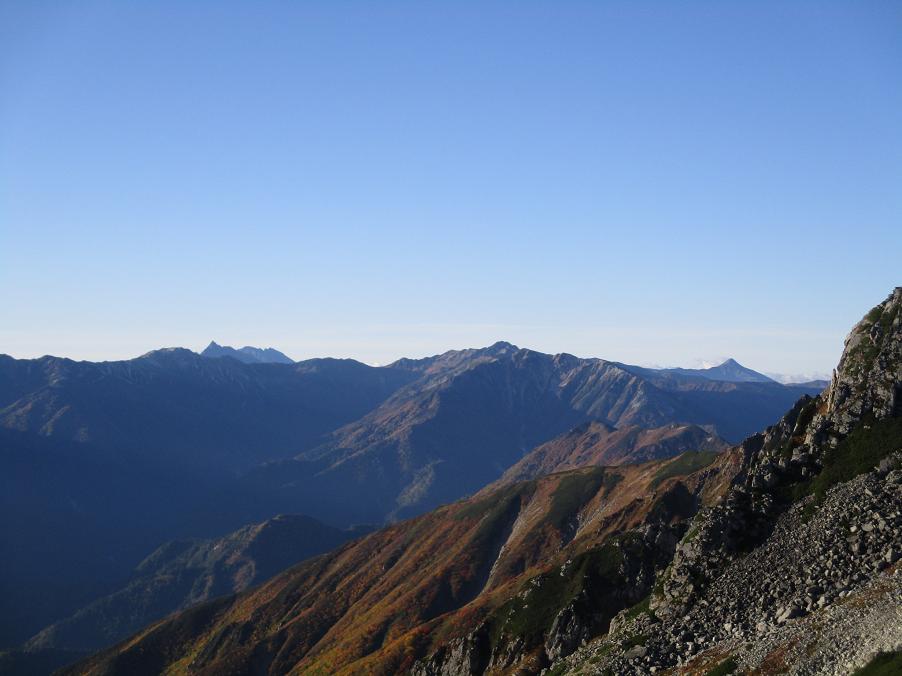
[(696, 363)]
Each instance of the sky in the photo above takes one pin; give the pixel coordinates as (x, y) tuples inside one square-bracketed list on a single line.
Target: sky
[(653, 183)]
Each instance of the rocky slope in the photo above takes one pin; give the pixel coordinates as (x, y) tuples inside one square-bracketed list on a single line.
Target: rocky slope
[(511, 578), (796, 568), (596, 444)]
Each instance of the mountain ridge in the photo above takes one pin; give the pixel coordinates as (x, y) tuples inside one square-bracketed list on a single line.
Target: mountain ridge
[(596, 444), (691, 563), (465, 420), (246, 354)]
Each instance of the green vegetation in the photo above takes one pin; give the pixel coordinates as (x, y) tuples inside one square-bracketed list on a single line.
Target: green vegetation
[(633, 641), (686, 463), (865, 352), (639, 608), (558, 670), (808, 512), (589, 581), (692, 533), (885, 664), (529, 615), (858, 453), (728, 666), (874, 314), (490, 504), (575, 490)]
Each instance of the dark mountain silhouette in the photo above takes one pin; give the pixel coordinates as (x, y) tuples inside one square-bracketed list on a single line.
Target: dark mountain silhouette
[(102, 462), (247, 354), (175, 407), (183, 573)]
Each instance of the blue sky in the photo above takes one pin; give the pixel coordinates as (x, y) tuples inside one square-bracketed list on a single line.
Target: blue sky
[(648, 182)]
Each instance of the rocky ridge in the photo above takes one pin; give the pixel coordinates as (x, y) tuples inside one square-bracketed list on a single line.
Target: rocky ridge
[(811, 523)]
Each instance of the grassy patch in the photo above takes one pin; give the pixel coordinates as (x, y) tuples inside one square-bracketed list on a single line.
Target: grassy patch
[(633, 641), (873, 315), (808, 512), (692, 533), (491, 504), (590, 581), (529, 616), (864, 354), (728, 666), (858, 453), (639, 608), (683, 464), (575, 490), (885, 664)]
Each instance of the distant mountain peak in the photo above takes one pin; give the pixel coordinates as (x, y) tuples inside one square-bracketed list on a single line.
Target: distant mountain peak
[(729, 370), (733, 370), (247, 354), (502, 345)]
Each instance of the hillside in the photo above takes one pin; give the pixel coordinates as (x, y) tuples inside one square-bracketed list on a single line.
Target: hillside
[(382, 602), (595, 444)]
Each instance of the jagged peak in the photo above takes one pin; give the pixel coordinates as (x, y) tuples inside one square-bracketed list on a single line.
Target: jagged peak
[(247, 354)]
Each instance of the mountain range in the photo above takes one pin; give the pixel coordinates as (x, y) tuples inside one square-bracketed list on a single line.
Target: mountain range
[(183, 573), (102, 463), (778, 555), (469, 416)]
